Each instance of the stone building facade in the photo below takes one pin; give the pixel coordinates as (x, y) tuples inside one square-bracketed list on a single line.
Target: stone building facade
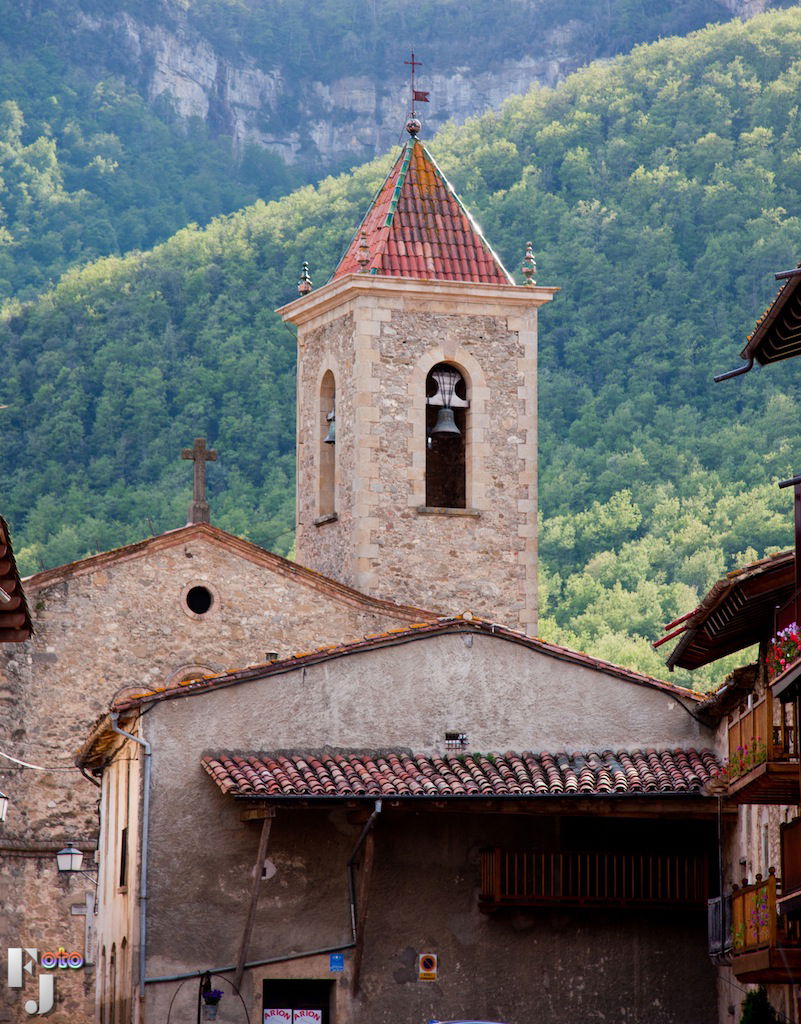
[(419, 289), (120, 620)]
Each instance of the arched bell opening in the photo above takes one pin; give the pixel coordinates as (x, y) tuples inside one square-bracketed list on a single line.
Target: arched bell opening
[(447, 407), (327, 433)]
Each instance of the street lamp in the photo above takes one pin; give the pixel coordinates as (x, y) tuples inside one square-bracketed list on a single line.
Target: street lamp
[(69, 859)]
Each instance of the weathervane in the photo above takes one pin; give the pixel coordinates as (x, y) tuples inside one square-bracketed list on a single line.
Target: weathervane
[(413, 125)]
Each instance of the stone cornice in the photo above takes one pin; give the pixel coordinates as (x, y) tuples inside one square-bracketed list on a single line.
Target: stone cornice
[(336, 293)]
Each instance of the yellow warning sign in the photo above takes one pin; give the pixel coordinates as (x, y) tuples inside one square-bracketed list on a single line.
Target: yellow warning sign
[(427, 967)]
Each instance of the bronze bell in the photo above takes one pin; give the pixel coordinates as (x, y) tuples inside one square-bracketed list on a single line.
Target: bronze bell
[(446, 424), (331, 436)]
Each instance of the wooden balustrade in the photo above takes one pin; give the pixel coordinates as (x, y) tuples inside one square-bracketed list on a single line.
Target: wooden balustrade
[(763, 752), (766, 947), (763, 732), (535, 878), (753, 915)]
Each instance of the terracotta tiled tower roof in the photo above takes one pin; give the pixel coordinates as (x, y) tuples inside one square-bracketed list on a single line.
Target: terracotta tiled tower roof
[(417, 227)]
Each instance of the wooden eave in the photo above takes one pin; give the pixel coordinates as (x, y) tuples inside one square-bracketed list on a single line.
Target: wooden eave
[(737, 612), (15, 618), (777, 334), (103, 742), (655, 806)]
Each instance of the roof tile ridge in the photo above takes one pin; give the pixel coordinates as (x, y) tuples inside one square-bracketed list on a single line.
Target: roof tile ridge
[(402, 173), (580, 657), (362, 222), (471, 220)]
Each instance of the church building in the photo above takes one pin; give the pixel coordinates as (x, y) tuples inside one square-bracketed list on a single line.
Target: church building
[(447, 817)]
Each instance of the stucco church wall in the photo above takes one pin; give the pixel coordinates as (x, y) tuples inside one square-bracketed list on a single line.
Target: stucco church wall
[(126, 624)]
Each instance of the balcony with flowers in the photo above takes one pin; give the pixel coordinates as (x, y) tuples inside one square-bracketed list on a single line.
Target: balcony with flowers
[(763, 762), (766, 946)]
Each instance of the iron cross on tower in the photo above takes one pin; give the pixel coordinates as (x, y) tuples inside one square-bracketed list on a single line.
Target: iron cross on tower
[(200, 454)]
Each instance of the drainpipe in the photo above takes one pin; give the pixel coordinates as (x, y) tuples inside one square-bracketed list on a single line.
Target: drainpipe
[(147, 754), (736, 372)]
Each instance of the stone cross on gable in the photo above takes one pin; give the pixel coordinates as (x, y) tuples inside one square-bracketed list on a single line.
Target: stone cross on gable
[(200, 454)]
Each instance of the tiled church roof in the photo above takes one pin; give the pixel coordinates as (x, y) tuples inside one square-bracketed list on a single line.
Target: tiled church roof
[(417, 227), (399, 774)]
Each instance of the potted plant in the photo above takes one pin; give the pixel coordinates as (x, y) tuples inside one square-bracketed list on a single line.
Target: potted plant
[(785, 648), (211, 1001)]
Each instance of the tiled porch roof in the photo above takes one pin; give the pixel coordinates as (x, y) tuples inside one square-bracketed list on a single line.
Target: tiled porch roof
[(417, 227), (400, 774)]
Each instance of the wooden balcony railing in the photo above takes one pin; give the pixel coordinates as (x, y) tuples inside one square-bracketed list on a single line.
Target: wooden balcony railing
[(763, 752), (534, 878), (753, 915), (766, 947)]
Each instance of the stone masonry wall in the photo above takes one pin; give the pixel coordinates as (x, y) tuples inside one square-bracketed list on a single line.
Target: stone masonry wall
[(385, 542), (124, 625), (328, 547)]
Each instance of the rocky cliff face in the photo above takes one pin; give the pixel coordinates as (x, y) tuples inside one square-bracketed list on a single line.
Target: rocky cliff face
[(324, 124)]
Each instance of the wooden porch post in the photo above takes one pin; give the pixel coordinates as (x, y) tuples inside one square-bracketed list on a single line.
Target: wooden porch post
[(254, 897), (365, 875)]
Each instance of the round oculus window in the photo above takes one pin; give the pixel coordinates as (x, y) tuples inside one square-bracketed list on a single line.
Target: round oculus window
[(199, 600)]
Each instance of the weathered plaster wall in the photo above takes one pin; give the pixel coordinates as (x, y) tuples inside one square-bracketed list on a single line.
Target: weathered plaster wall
[(424, 894), (384, 342), (552, 966), (126, 624)]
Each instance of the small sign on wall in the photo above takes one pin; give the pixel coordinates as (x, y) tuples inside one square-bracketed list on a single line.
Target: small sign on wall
[(287, 1016), (278, 1016), (307, 1016), (427, 967), (336, 963)]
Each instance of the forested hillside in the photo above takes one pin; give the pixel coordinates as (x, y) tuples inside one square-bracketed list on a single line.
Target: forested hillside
[(661, 192)]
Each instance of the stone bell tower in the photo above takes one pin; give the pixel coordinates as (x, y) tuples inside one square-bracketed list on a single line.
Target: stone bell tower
[(417, 408)]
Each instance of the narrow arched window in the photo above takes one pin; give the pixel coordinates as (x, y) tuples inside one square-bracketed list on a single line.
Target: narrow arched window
[(327, 431), (447, 406)]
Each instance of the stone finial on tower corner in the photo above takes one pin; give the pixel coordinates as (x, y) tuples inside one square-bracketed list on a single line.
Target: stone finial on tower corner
[(363, 253), (529, 267), (305, 282)]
